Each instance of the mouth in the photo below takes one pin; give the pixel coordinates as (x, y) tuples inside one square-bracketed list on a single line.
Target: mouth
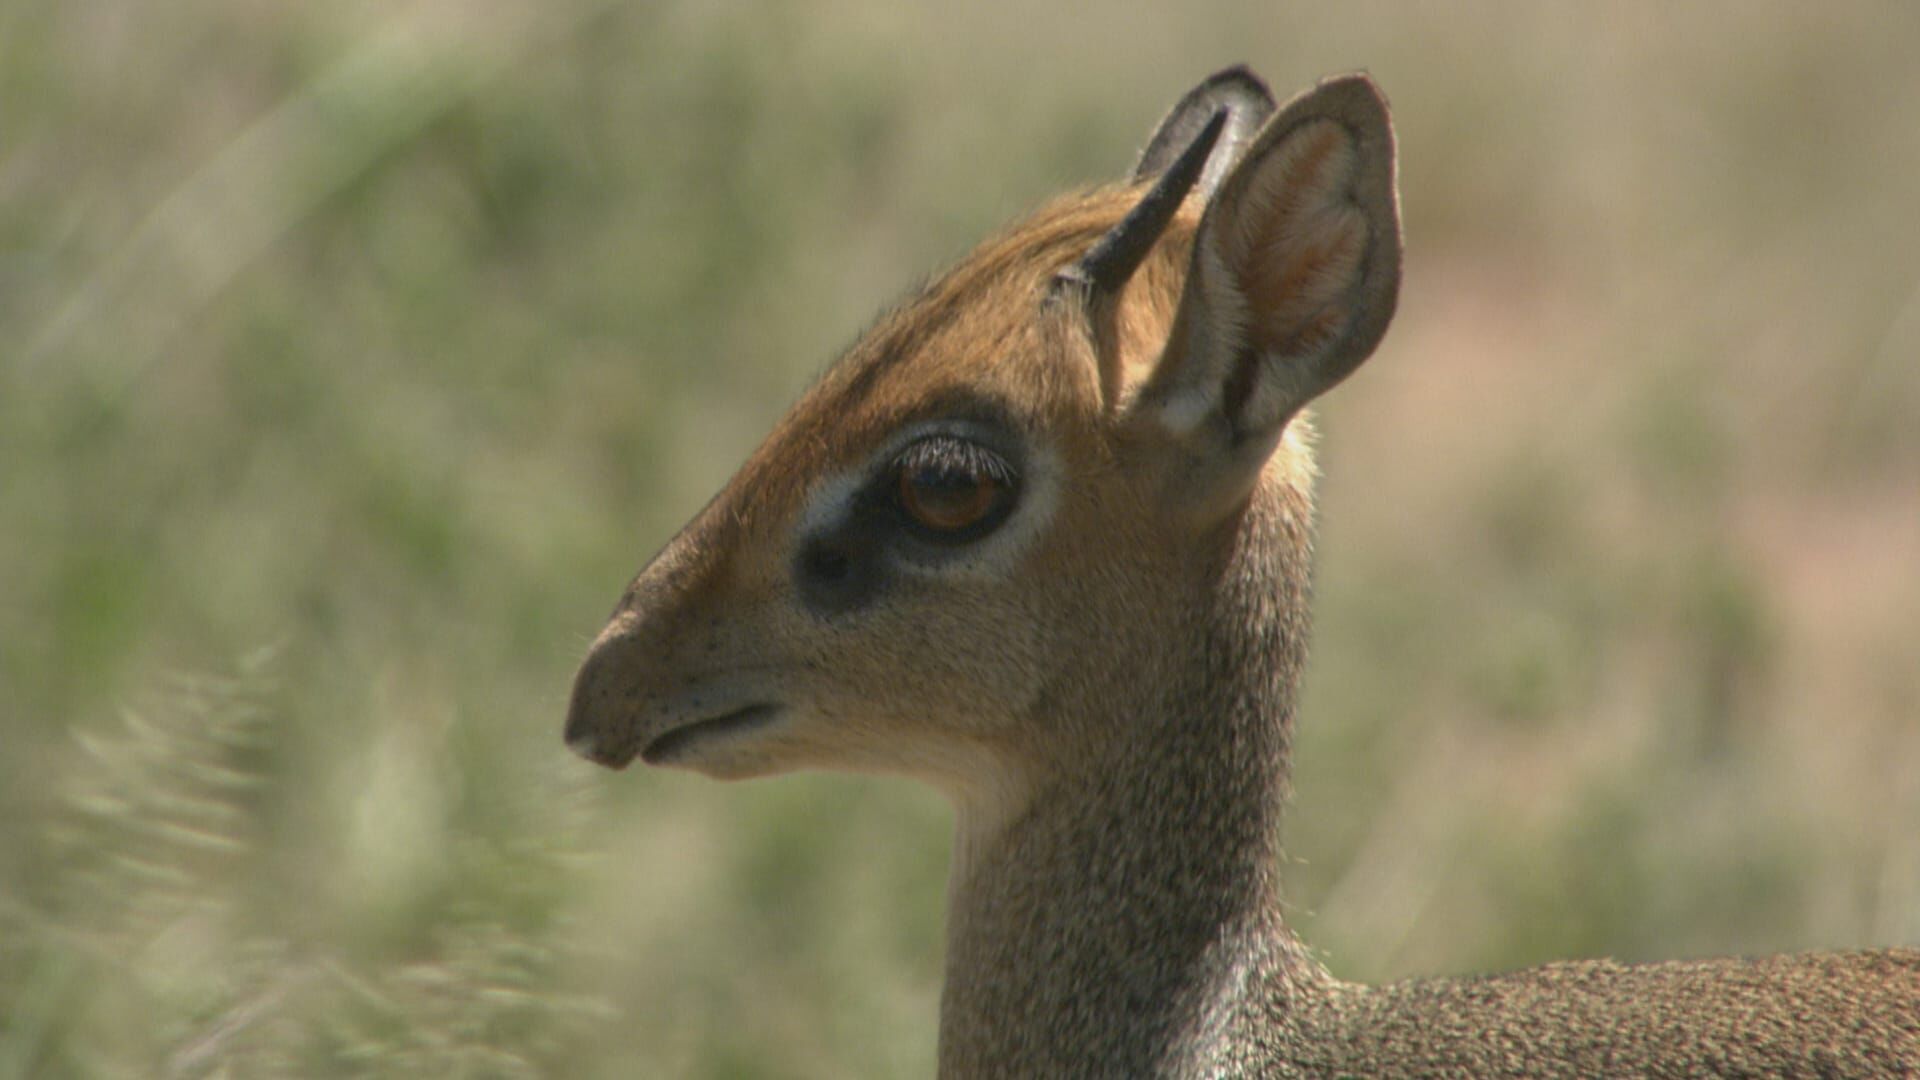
[(674, 744)]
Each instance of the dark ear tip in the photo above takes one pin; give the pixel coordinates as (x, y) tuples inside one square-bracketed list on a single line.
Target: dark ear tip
[(1237, 90), (1239, 77)]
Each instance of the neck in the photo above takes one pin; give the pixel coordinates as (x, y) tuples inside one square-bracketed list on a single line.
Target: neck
[(1124, 917)]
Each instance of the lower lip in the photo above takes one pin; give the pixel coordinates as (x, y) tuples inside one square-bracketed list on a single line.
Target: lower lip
[(664, 749)]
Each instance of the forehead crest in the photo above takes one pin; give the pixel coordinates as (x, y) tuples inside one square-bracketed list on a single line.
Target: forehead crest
[(979, 325)]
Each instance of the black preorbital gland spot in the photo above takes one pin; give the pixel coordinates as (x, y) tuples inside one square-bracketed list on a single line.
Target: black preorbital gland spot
[(841, 570)]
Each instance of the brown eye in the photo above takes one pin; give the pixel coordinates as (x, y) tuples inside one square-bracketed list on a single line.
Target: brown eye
[(946, 501), (952, 488)]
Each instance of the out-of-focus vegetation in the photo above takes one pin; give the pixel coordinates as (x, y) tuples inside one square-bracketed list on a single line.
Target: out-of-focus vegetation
[(353, 355)]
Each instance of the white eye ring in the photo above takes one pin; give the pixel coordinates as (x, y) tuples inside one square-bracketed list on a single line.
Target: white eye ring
[(1035, 484)]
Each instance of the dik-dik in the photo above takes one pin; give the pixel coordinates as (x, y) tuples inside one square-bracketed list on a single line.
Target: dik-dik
[(1041, 538)]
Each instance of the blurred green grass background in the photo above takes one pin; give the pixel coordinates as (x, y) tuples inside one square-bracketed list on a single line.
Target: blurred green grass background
[(353, 356)]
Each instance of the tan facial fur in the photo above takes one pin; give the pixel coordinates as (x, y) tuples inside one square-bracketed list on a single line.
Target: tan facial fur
[(971, 667), (960, 666)]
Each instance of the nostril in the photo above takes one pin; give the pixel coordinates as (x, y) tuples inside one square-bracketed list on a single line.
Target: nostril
[(578, 733), (586, 732)]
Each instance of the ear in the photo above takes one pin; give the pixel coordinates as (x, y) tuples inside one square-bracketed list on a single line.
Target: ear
[(1294, 275), (1247, 103)]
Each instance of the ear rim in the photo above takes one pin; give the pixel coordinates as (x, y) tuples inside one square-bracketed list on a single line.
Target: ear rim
[(1248, 103)]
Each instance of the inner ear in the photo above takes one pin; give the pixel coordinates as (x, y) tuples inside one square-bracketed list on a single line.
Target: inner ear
[(1292, 251), (1294, 275)]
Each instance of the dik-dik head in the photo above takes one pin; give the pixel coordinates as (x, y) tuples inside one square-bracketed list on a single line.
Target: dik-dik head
[(995, 526)]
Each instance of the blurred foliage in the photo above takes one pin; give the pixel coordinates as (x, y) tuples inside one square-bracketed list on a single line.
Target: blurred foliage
[(355, 354)]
